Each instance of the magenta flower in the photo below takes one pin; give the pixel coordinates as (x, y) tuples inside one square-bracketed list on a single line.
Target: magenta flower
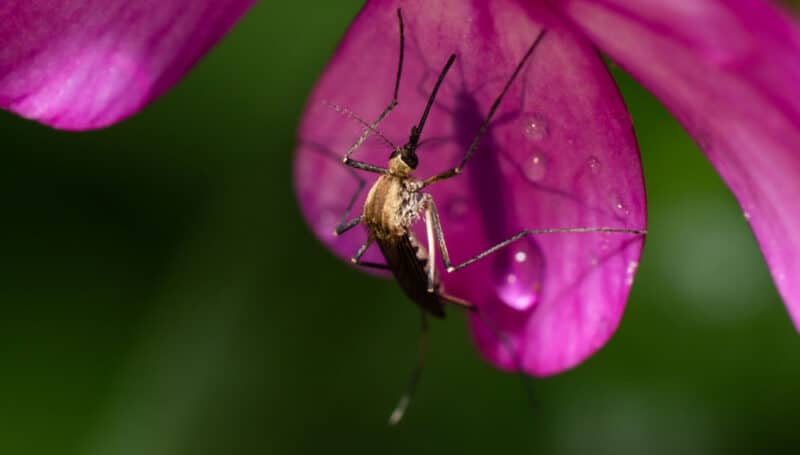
[(85, 64), (561, 151), (559, 154)]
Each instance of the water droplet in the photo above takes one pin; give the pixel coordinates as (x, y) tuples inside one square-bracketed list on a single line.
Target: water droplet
[(619, 206), (535, 167), (535, 126), (747, 215), (630, 272), (594, 165), (518, 276)]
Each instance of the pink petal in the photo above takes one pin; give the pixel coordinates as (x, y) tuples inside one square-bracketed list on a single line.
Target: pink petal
[(730, 72), (561, 153), (85, 64)]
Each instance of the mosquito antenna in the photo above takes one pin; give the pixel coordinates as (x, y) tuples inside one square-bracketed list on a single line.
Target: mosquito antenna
[(400, 410), (352, 115), (416, 131), (402, 53)]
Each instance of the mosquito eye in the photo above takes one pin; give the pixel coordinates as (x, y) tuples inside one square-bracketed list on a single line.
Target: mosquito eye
[(411, 161)]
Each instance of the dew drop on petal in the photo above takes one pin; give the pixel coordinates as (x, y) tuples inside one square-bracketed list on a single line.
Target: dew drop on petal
[(517, 276), (618, 205), (535, 167), (535, 126), (594, 165), (747, 215), (630, 272)]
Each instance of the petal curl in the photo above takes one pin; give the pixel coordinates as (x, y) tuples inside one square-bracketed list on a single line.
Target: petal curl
[(83, 64), (560, 153), (730, 73)]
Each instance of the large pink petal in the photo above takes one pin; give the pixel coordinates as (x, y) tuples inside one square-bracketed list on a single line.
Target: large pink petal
[(82, 64), (730, 72), (561, 153)]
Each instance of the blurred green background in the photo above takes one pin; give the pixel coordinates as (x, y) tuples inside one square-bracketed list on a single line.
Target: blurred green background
[(161, 295)]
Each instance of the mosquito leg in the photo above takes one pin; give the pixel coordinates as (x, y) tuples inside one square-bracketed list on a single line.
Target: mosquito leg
[(432, 220), (437, 230), (461, 303), (431, 249), (392, 104), (356, 259), (373, 265), (402, 405), (361, 250), (485, 125), (514, 238), (343, 226), (360, 165)]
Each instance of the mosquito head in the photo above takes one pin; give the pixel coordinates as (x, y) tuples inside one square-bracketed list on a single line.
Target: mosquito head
[(403, 160)]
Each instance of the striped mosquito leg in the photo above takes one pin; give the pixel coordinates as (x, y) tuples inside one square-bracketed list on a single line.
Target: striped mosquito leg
[(356, 259)]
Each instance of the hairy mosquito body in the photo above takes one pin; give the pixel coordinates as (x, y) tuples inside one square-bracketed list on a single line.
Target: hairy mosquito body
[(392, 206)]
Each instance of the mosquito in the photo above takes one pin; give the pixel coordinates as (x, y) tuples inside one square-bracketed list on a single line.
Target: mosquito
[(397, 201)]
